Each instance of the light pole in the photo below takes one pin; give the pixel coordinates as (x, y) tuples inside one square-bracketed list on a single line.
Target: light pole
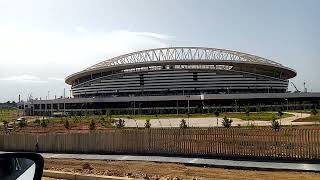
[(188, 103), (287, 103), (188, 108)]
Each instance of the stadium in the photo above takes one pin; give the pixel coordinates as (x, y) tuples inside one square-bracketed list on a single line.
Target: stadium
[(178, 80)]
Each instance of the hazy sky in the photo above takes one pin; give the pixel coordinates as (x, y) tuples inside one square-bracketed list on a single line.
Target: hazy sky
[(41, 42)]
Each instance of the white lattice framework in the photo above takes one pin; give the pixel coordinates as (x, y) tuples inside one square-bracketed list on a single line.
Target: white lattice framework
[(183, 54)]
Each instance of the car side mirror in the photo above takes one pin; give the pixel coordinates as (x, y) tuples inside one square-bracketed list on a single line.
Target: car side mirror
[(21, 166)]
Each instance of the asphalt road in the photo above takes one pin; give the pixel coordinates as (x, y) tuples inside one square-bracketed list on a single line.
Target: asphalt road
[(194, 161)]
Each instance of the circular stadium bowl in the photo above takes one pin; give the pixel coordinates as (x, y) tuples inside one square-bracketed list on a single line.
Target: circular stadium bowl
[(181, 70)]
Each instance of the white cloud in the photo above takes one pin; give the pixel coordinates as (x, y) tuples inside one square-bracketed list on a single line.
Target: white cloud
[(56, 78), (81, 29), (23, 78), (52, 55), (38, 48)]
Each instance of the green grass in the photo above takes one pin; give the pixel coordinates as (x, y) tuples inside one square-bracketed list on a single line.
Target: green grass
[(303, 111), (260, 116), (8, 114), (312, 118)]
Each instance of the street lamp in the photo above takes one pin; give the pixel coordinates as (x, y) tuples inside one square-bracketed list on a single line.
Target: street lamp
[(287, 103)]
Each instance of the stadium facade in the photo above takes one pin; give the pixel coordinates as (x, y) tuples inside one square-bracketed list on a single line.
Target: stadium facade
[(178, 80)]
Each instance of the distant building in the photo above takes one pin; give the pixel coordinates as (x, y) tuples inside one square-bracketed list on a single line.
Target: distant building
[(178, 80)]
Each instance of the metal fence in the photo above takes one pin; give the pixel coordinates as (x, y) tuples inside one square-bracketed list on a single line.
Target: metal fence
[(289, 144)]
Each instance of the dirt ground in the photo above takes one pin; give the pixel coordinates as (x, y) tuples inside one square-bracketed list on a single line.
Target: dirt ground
[(152, 170)]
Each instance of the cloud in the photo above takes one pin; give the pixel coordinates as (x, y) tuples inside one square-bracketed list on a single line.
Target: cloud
[(43, 48), (23, 78), (56, 79), (52, 55), (81, 29), (147, 34)]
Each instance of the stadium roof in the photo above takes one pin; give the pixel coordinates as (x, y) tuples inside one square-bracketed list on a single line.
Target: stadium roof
[(180, 54)]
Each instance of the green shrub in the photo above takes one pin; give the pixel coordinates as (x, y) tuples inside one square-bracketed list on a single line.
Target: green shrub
[(147, 124), (275, 124), (92, 125), (183, 124), (280, 113), (44, 123), (247, 110), (103, 121), (37, 121), (66, 124), (120, 123), (22, 123), (226, 122), (314, 111)]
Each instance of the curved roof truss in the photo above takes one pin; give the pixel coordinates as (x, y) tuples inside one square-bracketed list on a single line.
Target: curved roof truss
[(182, 53)]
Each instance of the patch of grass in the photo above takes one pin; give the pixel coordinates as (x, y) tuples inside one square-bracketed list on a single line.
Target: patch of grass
[(253, 116), (8, 114), (312, 118)]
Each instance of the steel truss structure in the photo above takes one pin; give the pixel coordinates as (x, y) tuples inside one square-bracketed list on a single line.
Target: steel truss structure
[(182, 54)]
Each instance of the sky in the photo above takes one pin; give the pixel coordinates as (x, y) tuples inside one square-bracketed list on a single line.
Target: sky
[(43, 41)]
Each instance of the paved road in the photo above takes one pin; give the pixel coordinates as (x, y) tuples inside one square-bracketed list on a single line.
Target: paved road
[(212, 121), (193, 161)]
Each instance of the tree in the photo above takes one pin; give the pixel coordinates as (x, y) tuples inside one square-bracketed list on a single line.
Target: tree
[(66, 124), (92, 125), (22, 123), (217, 113), (247, 112), (280, 114), (147, 124), (275, 124), (103, 121), (120, 123), (183, 124), (226, 122), (109, 114), (44, 123), (314, 111)]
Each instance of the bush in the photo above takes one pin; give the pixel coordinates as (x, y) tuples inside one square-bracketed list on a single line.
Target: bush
[(66, 124), (103, 121), (87, 166), (44, 123), (275, 124), (216, 113), (280, 113), (314, 111), (226, 122), (22, 123), (37, 121), (183, 124), (92, 125), (247, 110), (120, 123), (147, 124), (5, 122)]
